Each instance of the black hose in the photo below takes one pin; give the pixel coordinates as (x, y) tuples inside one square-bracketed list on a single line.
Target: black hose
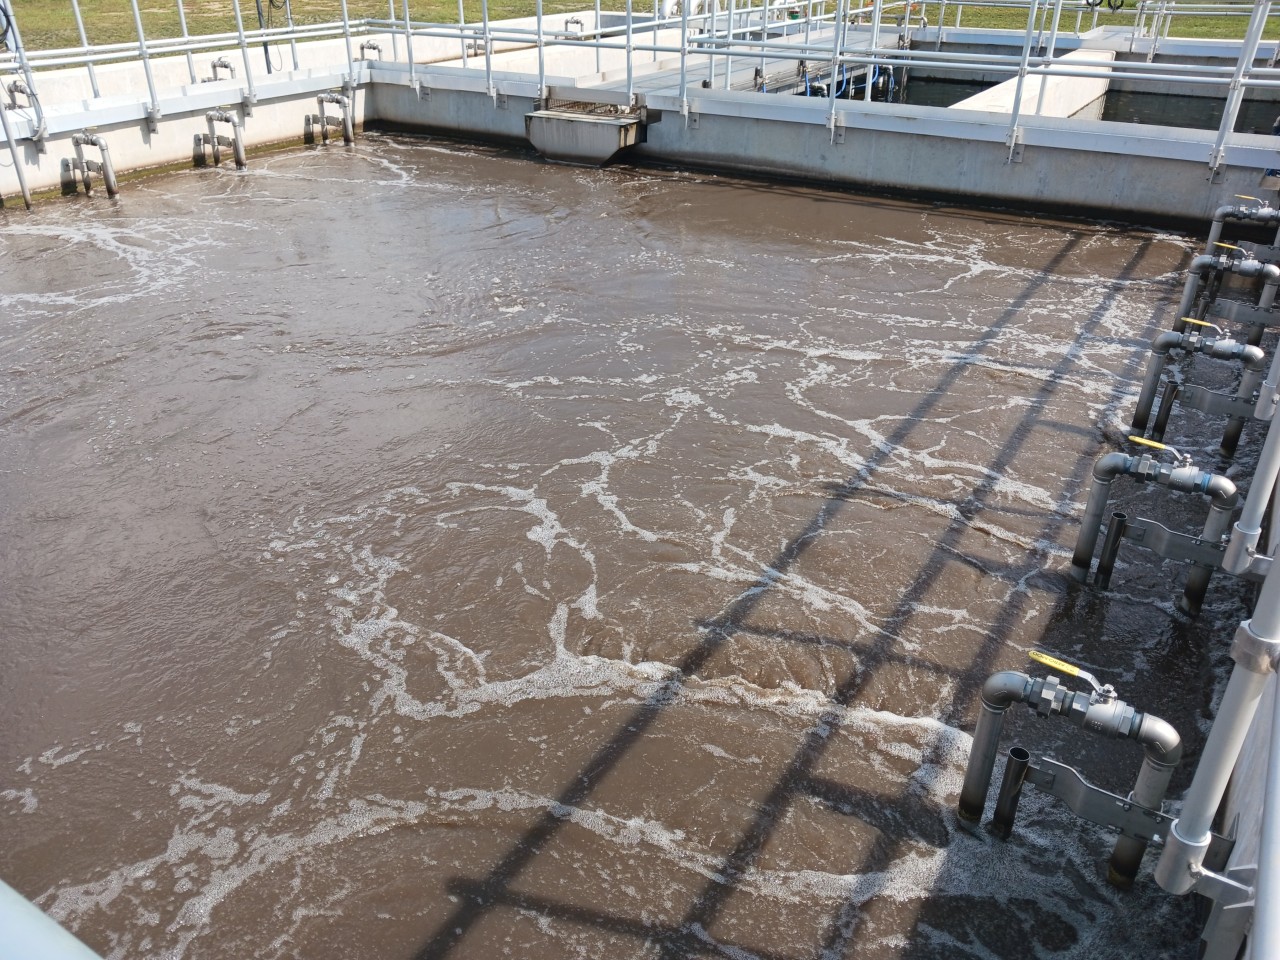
[(6, 26), (1115, 6)]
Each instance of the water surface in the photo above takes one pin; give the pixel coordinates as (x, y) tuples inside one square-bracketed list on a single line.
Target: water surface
[(418, 551)]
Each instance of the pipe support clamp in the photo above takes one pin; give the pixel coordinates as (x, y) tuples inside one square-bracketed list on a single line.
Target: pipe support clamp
[(1179, 861), (1256, 654)]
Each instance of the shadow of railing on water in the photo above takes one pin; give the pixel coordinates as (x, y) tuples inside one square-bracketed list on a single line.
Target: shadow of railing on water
[(898, 823)]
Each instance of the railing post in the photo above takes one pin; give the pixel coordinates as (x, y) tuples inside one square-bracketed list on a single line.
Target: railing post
[(630, 72), (542, 64), (153, 112), (293, 41), (877, 9), (1022, 76), (462, 33), (838, 28), (728, 36), (684, 57), (408, 46), (1264, 940), (13, 152), (346, 36), (244, 55), (1235, 92), (20, 52), (488, 53), (598, 69), (1048, 56), (395, 44), (84, 42)]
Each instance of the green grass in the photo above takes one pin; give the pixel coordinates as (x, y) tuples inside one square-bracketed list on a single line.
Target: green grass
[(51, 23)]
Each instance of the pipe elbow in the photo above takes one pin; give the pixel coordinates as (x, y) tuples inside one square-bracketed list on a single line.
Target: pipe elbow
[(1254, 358), (1223, 491), (1005, 688), (1160, 740), (1203, 262), (1110, 466), (1166, 341), (1270, 273)]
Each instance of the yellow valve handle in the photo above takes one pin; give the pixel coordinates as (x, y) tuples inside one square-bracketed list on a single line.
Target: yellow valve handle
[(1149, 443), (1053, 663), (1241, 196), (1229, 246), (1198, 323)]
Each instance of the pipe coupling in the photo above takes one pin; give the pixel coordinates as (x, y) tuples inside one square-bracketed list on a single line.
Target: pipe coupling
[(1256, 654)]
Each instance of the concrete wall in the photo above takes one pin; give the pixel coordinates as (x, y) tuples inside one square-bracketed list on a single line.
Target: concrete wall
[(1134, 171)]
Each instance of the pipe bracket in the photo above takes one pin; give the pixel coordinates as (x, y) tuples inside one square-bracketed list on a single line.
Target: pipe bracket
[(1172, 545), (1095, 804), (1235, 888), (1217, 404), (1256, 654)]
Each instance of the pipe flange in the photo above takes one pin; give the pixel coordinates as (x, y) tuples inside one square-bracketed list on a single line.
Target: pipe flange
[(1256, 654)]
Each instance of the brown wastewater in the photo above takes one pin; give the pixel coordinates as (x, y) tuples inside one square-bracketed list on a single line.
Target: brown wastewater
[(416, 550)]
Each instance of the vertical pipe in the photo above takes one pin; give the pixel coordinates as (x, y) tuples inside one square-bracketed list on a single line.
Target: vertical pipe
[(146, 61), (1022, 76), (1235, 92), (244, 48), (1249, 381), (1091, 522), (1110, 549), (1168, 397), (1215, 525), (1015, 773), (77, 142), (1150, 383), (213, 138), (84, 42), (982, 759), (13, 152), (598, 68), (1265, 938), (1148, 791), (108, 168)]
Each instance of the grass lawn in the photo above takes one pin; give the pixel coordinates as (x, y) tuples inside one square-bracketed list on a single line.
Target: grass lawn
[(51, 23)]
